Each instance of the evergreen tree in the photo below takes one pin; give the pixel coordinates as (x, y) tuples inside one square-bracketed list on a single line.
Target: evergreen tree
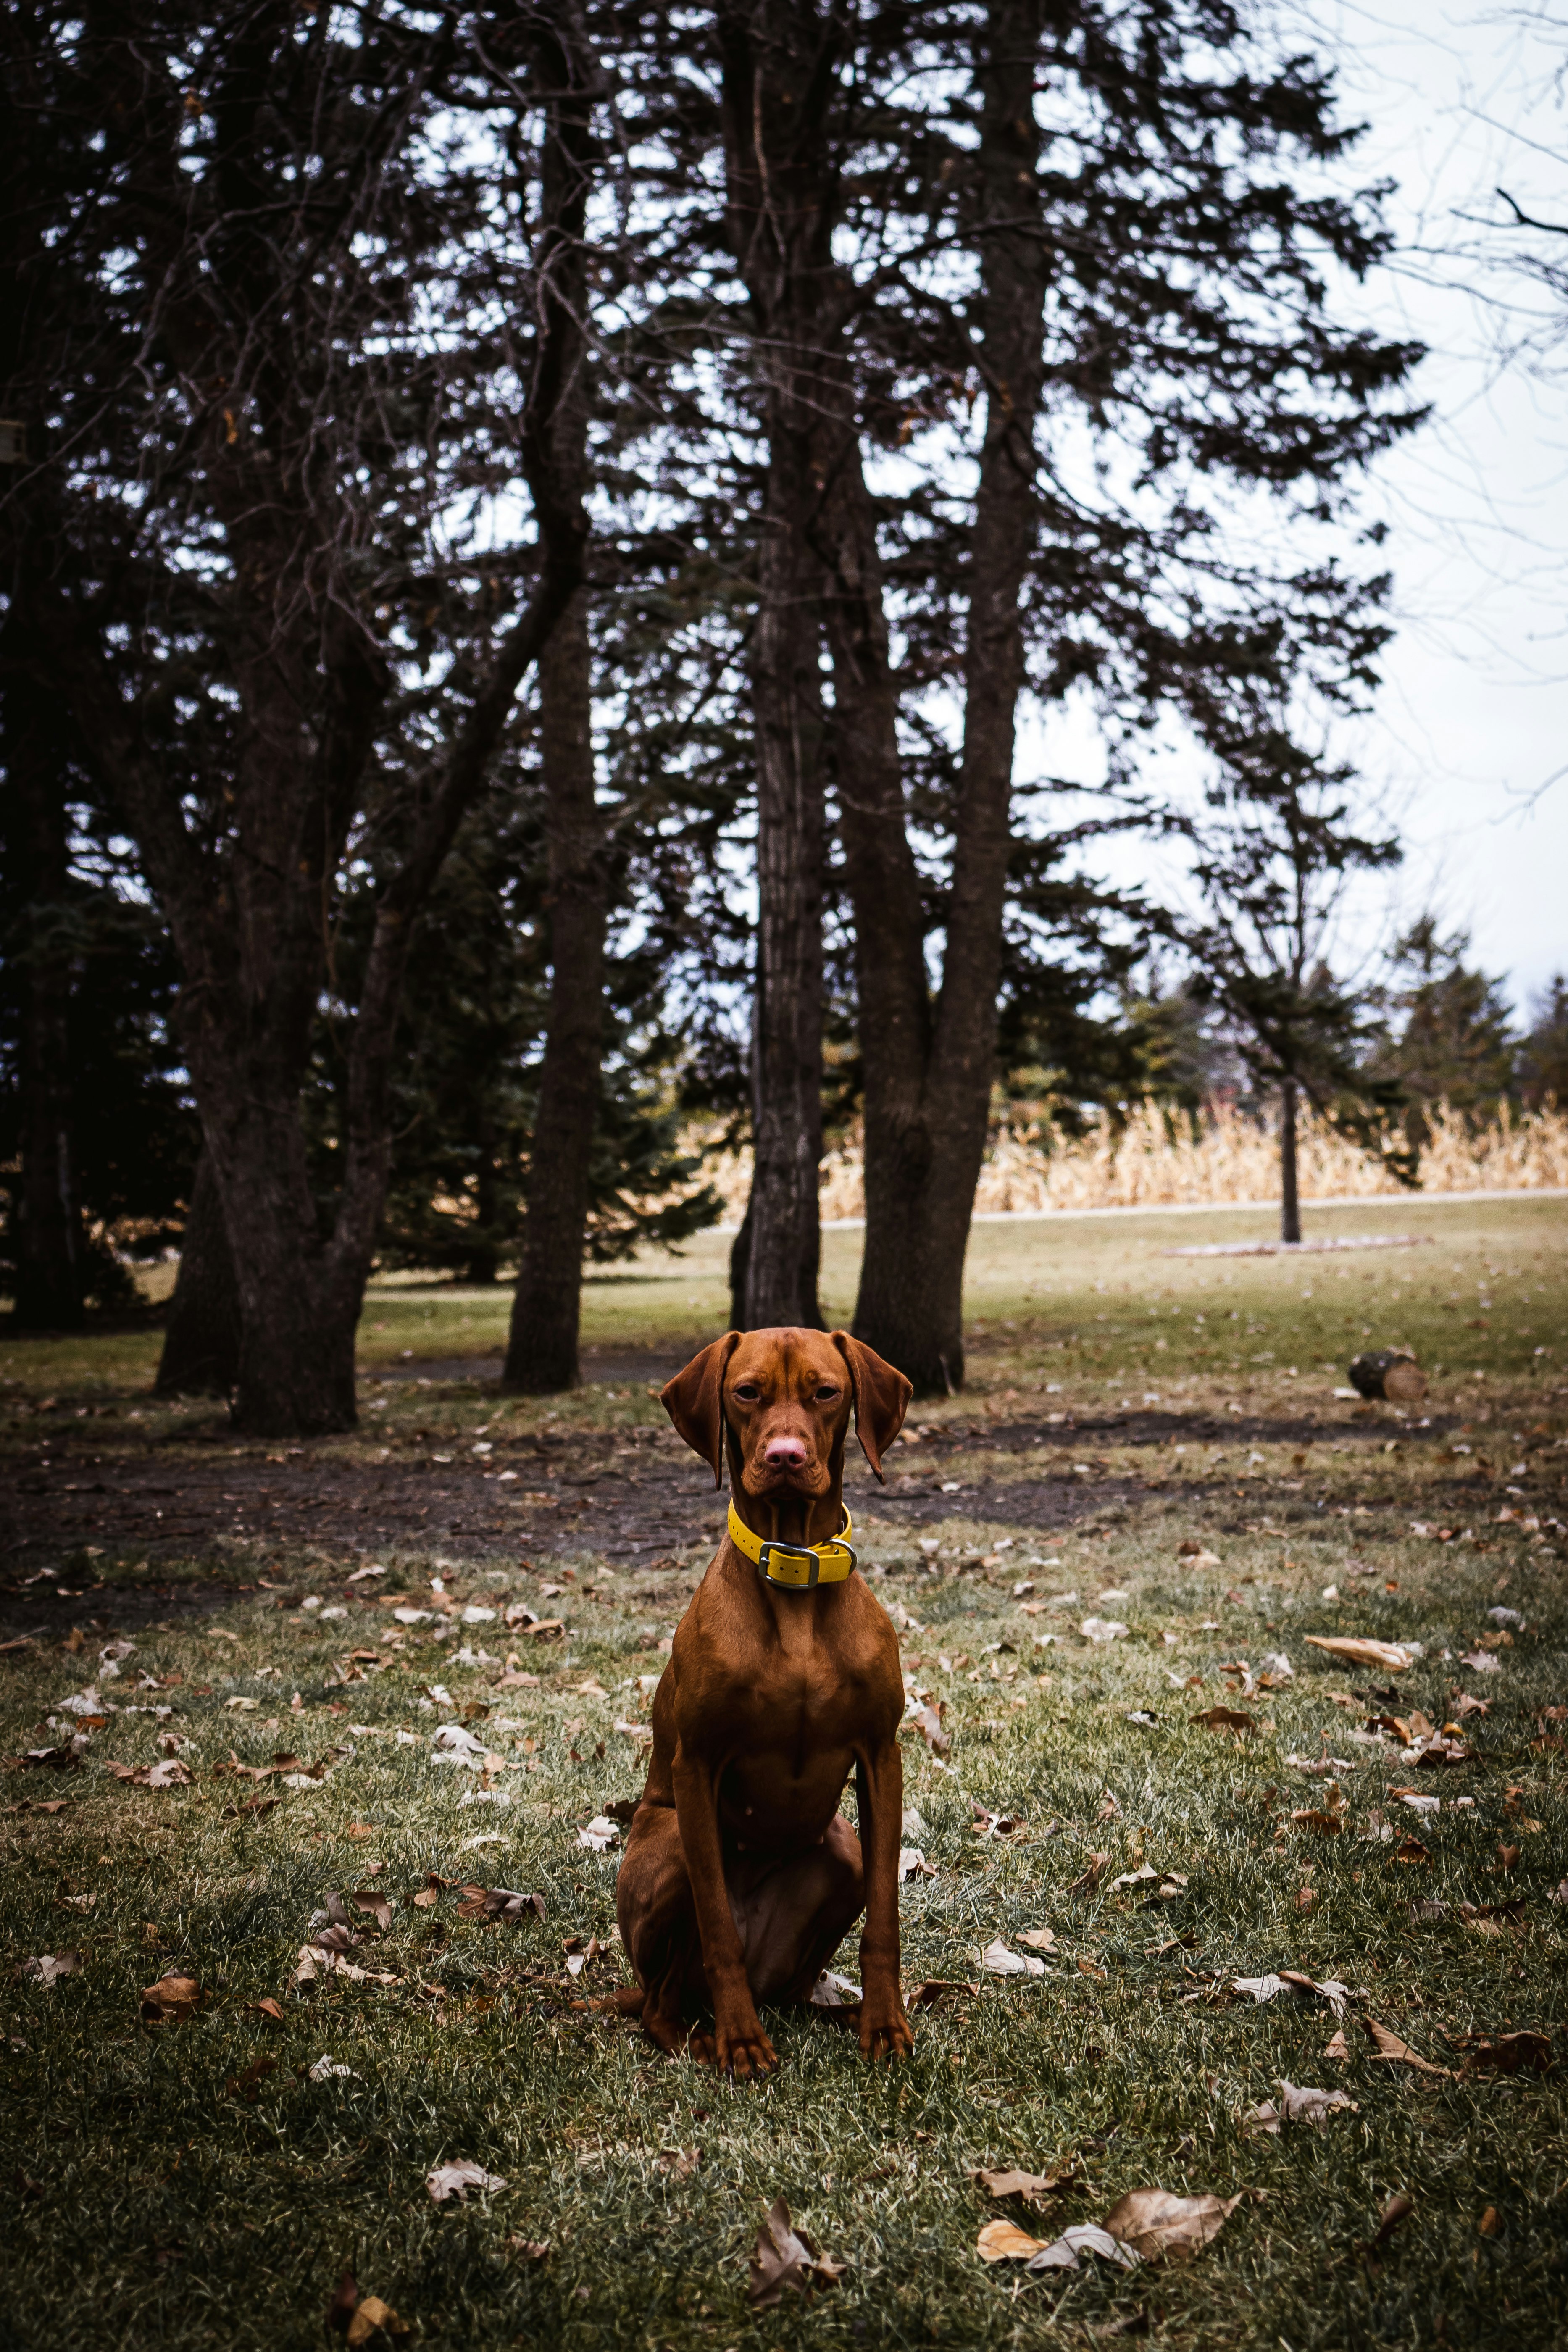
[(1453, 1040), (1543, 1053)]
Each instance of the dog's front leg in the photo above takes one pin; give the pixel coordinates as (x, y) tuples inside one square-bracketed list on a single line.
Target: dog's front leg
[(885, 2029), (742, 2048)]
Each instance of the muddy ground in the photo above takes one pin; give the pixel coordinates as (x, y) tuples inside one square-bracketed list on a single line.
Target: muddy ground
[(89, 1486)]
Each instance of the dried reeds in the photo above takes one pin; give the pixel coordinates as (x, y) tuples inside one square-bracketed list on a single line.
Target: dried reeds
[(1149, 1161)]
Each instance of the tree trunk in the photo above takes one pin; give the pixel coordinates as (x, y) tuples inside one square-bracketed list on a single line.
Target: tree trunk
[(541, 1346), (201, 1337), (929, 1069), (786, 1127), (740, 1259), (1289, 1205), (46, 1220), (779, 58)]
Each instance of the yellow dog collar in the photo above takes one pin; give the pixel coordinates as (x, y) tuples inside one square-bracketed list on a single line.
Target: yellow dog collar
[(800, 1567)]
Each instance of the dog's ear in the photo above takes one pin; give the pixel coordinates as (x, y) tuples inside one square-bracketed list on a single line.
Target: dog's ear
[(881, 1396), (694, 1401)]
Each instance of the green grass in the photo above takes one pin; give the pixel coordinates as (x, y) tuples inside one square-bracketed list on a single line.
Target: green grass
[(150, 2204)]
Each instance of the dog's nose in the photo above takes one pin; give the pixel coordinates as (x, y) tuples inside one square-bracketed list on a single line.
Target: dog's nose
[(787, 1453)]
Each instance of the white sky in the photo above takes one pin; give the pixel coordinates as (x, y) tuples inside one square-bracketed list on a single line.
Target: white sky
[(1473, 718)]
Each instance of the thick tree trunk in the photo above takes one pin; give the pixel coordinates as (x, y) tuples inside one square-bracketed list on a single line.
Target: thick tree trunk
[(541, 1346), (201, 1337), (779, 58), (1289, 1205), (301, 1290), (47, 1221), (929, 1069)]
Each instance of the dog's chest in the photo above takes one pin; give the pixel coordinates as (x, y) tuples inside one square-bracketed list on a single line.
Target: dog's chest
[(810, 1698)]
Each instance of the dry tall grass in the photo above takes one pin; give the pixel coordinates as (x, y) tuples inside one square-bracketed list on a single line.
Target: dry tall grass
[(1232, 1160)]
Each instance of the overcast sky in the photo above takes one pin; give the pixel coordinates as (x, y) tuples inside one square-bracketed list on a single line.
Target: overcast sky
[(1473, 718)]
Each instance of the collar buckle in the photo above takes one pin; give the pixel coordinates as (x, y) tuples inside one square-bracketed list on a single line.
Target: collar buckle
[(796, 1552)]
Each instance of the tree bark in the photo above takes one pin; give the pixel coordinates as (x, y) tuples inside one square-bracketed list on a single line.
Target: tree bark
[(46, 1217), (930, 1067), (202, 1338), (784, 1251), (1289, 1205), (780, 57), (541, 1345)]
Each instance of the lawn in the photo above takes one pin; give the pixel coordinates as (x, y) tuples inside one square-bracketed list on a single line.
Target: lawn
[(207, 2180)]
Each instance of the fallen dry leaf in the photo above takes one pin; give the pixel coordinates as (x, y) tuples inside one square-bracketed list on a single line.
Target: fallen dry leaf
[(677, 2163), (1411, 1849), (170, 1774), (1224, 1718), (1291, 1982), (376, 1907), (1089, 1878), (999, 2242), (527, 2250), (833, 1991), (1389, 2046), (785, 2256), (270, 2009), (248, 2084), (1155, 2224), (171, 2001), (931, 1989), (456, 2179), (50, 1967), (998, 1962), (1391, 1655), (1039, 1939), (371, 2314), (1300, 2104), (1030, 2185), (1505, 2053), (927, 1720), (1004, 2241)]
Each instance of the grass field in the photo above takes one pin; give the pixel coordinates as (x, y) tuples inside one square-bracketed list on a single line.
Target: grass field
[(206, 2180)]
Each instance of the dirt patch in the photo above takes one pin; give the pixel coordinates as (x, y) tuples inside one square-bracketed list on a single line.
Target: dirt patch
[(602, 1367)]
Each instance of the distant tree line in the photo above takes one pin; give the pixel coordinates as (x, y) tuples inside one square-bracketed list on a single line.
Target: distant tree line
[(539, 545)]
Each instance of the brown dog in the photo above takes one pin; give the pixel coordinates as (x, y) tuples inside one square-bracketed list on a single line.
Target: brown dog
[(741, 1876)]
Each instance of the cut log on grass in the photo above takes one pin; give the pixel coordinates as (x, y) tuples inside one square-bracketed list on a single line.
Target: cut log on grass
[(1391, 1373)]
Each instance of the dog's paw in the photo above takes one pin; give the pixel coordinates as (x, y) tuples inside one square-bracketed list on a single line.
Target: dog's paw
[(885, 2032), (745, 2053)]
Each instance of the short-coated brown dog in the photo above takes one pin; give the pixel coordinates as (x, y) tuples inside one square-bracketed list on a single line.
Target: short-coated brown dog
[(741, 1876)]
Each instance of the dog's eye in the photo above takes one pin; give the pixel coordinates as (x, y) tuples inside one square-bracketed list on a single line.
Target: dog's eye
[(827, 1393), (747, 1393)]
